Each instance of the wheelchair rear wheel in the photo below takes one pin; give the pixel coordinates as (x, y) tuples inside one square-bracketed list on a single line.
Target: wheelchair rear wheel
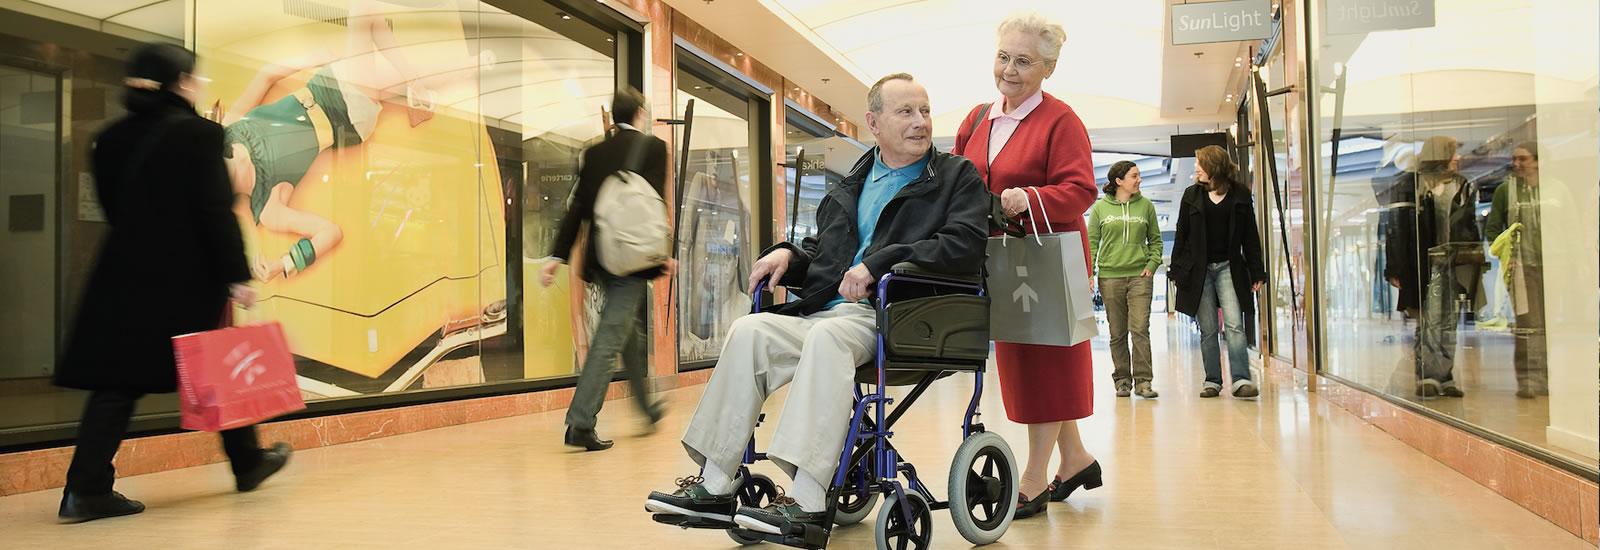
[(893, 532), (983, 488), (756, 493)]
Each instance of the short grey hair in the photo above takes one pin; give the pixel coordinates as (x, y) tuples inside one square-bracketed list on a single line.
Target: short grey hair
[(875, 94), (1050, 35)]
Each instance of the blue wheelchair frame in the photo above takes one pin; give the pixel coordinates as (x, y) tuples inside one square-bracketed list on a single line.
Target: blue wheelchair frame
[(872, 433)]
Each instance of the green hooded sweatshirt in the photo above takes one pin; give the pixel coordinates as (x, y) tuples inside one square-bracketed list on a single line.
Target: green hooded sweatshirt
[(1124, 238)]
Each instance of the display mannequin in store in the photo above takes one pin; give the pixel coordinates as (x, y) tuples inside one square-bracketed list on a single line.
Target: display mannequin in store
[(1515, 216), (620, 331), (173, 258), (1444, 261), (903, 202)]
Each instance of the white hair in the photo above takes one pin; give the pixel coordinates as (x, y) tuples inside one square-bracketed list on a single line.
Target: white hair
[(1050, 35)]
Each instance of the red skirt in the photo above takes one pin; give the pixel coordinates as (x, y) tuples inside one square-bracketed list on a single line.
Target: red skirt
[(1045, 383)]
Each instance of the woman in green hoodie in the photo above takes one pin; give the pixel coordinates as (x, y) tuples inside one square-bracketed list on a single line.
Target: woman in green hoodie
[(1126, 241)]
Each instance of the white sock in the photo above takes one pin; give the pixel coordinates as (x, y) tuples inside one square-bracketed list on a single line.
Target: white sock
[(809, 493), (717, 482)]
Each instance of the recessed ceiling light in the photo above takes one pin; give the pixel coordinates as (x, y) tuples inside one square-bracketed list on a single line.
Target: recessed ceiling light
[(740, 54), (564, 15)]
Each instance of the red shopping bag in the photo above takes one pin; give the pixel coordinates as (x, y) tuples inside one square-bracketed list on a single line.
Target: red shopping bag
[(235, 377)]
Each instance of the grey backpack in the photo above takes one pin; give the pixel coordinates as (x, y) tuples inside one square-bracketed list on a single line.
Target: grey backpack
[(630, 220)]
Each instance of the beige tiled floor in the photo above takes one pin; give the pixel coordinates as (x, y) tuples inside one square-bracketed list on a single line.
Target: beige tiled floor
[(1288, 471)]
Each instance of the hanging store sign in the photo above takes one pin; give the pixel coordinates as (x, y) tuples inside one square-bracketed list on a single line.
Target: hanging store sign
[(1221, 22), (1364, 16)]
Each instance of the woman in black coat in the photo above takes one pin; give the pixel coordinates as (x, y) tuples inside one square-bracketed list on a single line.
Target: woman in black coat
[(172, 259), (1216, 264)]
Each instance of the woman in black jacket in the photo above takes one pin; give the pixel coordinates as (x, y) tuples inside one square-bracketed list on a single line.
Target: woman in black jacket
[(172, 258), (1216, 263)]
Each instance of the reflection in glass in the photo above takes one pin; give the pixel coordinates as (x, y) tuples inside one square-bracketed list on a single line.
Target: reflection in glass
[(813, 178), (1442, 287), (715, 235)]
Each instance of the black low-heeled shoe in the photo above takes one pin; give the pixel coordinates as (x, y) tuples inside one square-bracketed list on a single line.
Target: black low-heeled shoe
[(1029, 508), (1088, 478)]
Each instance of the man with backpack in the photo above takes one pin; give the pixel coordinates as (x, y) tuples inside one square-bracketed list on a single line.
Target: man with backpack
[(627, 158)]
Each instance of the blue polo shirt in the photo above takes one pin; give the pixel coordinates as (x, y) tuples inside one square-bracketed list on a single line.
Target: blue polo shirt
[(882, 184)]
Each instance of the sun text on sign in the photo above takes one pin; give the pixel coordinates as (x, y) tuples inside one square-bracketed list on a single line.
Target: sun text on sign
[(1221, 21)]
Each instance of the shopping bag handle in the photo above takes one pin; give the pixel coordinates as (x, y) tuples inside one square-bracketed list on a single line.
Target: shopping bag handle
[(1032, 219)]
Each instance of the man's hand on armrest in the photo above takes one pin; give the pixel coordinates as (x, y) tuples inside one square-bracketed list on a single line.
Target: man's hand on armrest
[(772, 266), (857, 283)]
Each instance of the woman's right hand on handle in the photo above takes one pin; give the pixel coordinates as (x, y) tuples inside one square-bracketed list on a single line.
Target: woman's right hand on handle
[(1014, 201), (772, 266)]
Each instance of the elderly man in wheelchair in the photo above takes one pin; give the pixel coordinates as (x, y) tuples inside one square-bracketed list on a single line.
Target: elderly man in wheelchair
[(908, 221)]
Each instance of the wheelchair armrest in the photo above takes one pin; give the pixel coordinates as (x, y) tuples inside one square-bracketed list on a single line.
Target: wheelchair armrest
[(908, 269)]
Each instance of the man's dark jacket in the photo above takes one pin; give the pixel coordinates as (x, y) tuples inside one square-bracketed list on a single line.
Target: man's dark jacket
[(600, 162), (939, 222)]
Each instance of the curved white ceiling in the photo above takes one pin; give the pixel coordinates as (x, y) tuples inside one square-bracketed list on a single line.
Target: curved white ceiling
[(1110, 68)]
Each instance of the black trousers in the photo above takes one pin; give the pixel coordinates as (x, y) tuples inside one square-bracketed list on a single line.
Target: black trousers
[(105, 423)]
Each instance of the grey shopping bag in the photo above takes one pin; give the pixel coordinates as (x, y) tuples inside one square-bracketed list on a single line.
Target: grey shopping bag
[(1039, 288)]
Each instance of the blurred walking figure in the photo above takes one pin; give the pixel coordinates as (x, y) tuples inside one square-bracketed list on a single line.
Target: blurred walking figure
[(172, 259), (1125, 241), (622, 319)]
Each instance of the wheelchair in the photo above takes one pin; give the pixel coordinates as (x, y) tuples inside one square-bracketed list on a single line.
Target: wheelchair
[(930, 326)]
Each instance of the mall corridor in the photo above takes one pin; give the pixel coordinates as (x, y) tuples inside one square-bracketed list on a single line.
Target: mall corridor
[(1287, 471), (427, 268)]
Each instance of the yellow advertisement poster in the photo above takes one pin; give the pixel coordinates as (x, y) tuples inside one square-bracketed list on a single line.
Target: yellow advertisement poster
[(371, 196)]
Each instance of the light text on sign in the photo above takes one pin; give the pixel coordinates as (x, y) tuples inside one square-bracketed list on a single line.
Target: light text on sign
[(1221, 21), (1364, 16)]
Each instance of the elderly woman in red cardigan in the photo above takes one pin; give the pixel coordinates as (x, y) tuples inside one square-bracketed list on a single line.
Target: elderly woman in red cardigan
[(1030, 139)]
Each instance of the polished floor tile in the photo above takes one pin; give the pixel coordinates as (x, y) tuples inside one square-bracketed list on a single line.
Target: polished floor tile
[(1286, 471)]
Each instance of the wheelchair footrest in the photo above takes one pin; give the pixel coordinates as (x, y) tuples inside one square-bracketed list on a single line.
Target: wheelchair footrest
[(811, 538), (693, 522)]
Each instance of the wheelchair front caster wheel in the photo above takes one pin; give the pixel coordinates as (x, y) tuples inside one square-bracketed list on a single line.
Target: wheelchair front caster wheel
[(854, 506), (983, 488), (756, 493), (894, 532)]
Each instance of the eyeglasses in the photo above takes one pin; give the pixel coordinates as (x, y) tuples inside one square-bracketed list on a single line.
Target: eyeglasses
[(1022, 63)]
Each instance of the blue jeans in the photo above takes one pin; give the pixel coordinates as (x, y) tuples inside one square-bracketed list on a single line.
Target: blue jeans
[(1218, 292)]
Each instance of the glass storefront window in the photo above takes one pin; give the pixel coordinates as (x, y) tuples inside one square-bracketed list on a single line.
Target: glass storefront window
[(1452, 134), (1282, 288), (58, 92), (717, 235), (425, 156), (811, 174)]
